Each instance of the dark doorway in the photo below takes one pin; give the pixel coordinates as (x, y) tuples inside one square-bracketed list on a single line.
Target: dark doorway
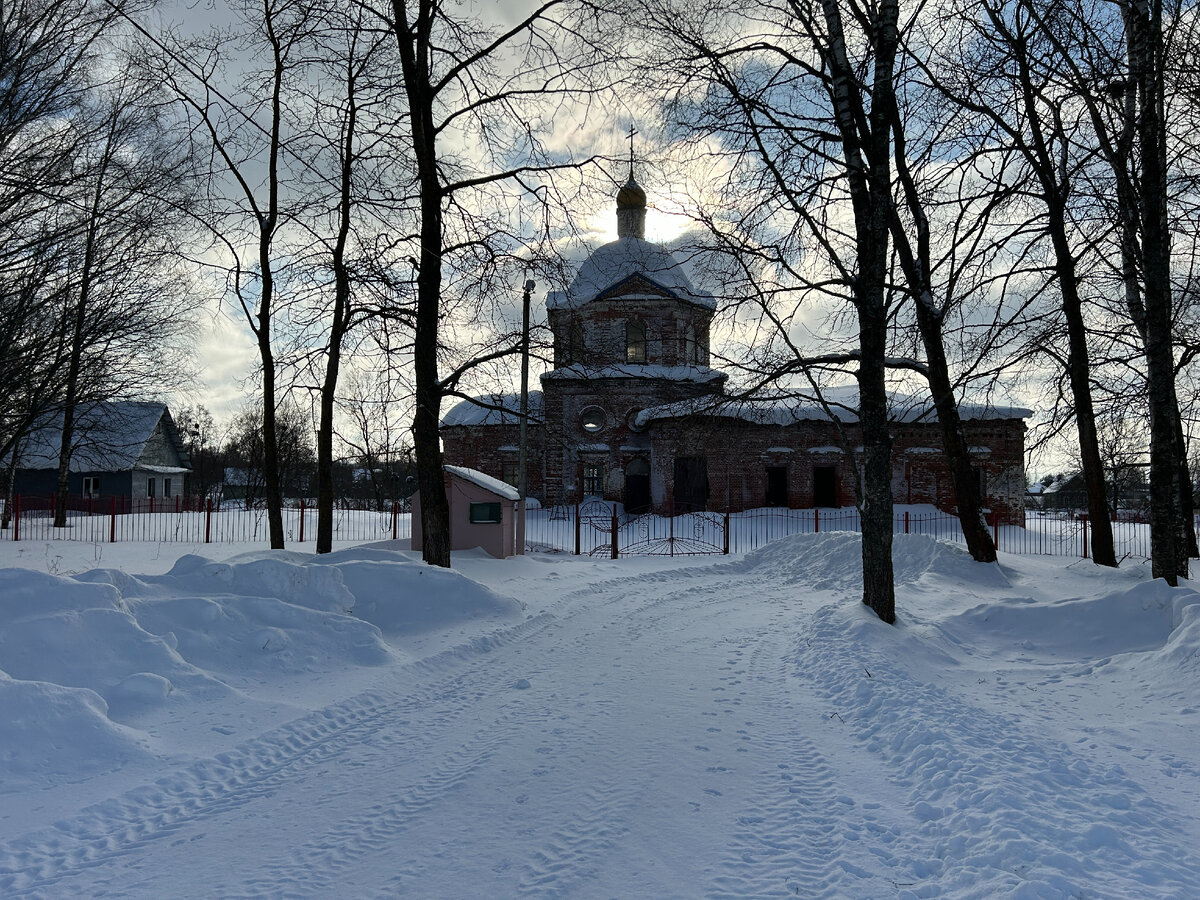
[(777, 491), (825, 486), (637, 487), (691, 483)]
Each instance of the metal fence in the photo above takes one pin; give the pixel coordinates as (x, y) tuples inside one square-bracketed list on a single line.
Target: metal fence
[(186, 520), (595, 528), (590, 528)]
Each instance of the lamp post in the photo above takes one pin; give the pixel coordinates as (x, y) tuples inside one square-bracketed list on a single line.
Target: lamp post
[(522, 486)]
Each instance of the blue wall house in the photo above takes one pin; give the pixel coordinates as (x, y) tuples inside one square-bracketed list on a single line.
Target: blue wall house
[(128, 448)]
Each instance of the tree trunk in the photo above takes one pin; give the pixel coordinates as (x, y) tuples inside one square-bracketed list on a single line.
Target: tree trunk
[(867, 154), (414, 44), (337, 332), (1079, 373), (918, 272), (875, 493), (958, 454), (1168, 544)]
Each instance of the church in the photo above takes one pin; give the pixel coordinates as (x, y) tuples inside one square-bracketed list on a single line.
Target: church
[(633, 412)]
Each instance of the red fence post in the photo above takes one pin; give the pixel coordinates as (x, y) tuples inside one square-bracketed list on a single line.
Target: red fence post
[(906, 521), (208, 521), (577, 535), (112, 520), (302, 520), (816, 520), (16, 517), (395, 517), (614, 532)]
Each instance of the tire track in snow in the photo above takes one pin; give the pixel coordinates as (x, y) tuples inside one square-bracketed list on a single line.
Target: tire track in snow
[(788, 840), (210, 788)]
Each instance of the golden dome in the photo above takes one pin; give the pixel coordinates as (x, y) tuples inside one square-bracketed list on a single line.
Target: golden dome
[(631, 196)]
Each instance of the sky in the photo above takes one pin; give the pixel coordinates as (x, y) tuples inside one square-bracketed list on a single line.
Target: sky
[(227, 356), (224, 720)]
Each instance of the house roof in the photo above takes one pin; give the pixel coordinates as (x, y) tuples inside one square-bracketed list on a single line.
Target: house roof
[(487, 482), (621, 260), (496, 409), (109, 437), (842, 405)]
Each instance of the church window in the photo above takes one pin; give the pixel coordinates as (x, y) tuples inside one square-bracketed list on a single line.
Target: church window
[(593, 479), (635, 341), (509, 472), (691, 352), (592, 419), (575, 344)]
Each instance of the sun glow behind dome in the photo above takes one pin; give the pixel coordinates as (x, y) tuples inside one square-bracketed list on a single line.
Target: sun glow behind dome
[(662, 225)]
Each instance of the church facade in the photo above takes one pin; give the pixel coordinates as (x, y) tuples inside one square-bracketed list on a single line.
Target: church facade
[(633, 412)]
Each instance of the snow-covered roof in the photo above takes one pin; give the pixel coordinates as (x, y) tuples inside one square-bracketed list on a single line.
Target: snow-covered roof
[(496, 409), (621, 259), (487, 482), (109, 437), (842, 405), (577, 371)]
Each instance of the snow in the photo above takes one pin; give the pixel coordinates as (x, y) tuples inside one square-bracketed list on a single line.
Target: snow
[(800, 407), (255, 723), (485, 481), (500, 409), (109, 436), (621, 259), (578, 371)]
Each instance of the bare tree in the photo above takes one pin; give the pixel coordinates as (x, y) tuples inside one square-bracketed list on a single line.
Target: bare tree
[(474, 91), (47, 55), (241, 128), (356, 169), (126, 306)]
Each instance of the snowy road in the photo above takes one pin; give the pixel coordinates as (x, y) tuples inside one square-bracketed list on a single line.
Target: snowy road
[(706, 730)]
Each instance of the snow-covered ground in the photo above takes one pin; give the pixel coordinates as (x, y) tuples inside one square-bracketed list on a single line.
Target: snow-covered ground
[(272, 724)]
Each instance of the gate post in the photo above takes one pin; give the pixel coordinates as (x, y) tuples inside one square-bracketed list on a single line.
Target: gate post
[(671, 532), (301, 520), (1084, 519), (614, 532), (112, 520), (906, 521), (16, 517), (208, 521), (576, 527), (816, 520), (395, 517)]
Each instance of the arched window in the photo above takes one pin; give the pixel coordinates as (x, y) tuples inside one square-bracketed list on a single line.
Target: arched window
[(575, 344), (635, 341)]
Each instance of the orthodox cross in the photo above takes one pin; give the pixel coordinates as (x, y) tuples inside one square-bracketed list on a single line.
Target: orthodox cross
[(632, 132)]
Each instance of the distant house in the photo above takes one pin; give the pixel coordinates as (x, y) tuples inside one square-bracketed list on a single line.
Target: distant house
[(126, 448), (1065, 493)]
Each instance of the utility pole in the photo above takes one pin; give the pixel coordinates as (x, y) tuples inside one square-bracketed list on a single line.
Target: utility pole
[(522, 485)]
